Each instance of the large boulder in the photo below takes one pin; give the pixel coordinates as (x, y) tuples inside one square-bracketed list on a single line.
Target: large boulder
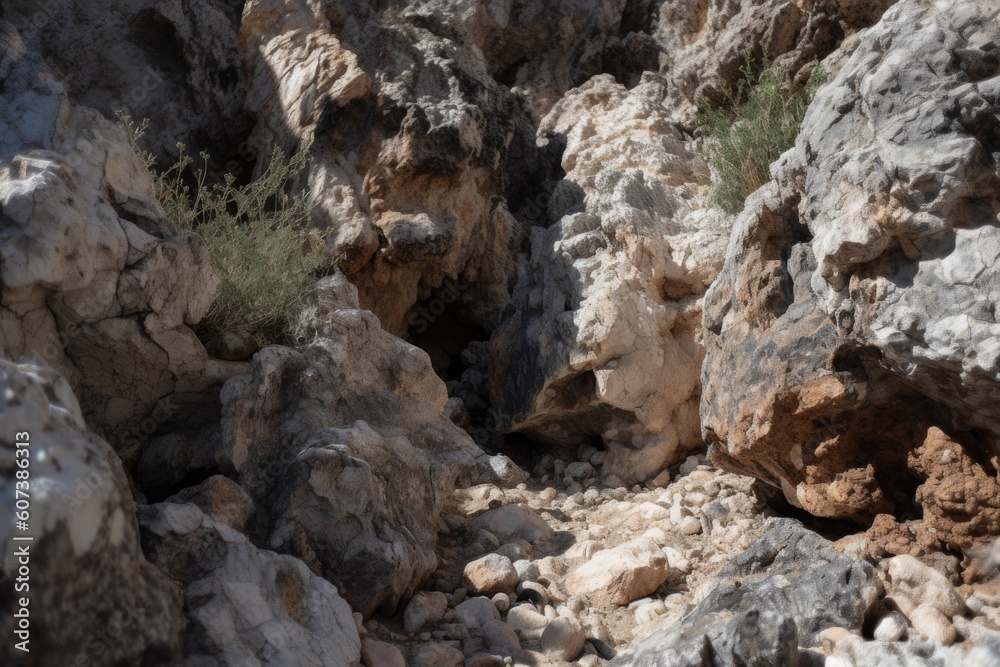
[(602, 335), (95, 279), (92, 597), (767, 602), (411, 140), (852, 346), (246, 605), (345, 448)]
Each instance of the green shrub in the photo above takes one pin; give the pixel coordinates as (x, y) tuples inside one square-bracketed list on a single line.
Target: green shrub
[(256, 235), (759, 123)]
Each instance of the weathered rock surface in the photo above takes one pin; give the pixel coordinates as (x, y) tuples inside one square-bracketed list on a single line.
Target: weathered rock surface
[(245, 603), (344, 447), (601, 338), (765, 604), (411, 142), (96, 282), (171, 62), (92, 595), (850, 336), (621, 574)]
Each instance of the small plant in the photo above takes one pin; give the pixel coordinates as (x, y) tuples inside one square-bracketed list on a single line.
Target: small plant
[(256, 235), (759, 123)]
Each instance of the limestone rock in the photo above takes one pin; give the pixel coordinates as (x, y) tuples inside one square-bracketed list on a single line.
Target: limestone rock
[(89, 582), (246, 603), (831, 350), (910, 583), (426, 607), (344, 447), (220, 498), (490, 574), (96, 282), (622, 574), (380, 654), (436, 655), (411, 141), (563, 639), (771, 599), (601, 336), (513, 522)]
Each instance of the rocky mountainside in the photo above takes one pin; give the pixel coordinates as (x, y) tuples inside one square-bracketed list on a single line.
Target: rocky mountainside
[(545, 400)]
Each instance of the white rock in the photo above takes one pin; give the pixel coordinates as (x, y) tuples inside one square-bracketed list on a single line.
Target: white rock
[(890, 627), (563, 638), (490, 574), (425, 608), (617, 576)]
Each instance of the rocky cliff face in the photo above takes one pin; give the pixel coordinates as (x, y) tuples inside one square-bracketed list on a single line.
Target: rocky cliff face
[(547, 403)]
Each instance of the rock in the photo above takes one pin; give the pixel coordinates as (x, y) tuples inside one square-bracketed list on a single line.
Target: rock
[(475, 612), (220, 498), (436, 655), (380, 654), (425, 608), (890, 627), (769, 600), (351, 473), (508, 474), (175, 64), (856, 652), (526, 570), (932, 625), (533, 592), (502, 602), (690, 526), (630, 250), (829, 638), (96, 280), (828, 315), (514, 522), (910, 583), (563, 639), (247, 603), (703, 46), (619, 575), (526, 619), (85, 551), (499, 636), (427, 174), (490, 574)]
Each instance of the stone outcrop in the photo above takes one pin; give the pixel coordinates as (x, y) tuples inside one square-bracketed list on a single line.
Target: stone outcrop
[(244, 604), (96, 281), (601, 338), (851, 342), (766, 603), (345, 448), (93, 598), (411, 140)]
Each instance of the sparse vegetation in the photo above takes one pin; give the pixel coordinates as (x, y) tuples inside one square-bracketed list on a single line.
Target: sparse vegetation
[(759, 122), (256, 234)]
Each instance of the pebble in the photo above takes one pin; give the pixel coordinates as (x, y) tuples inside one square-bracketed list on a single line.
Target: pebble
[(490, 574), (690, 526), (890, 627), (502, 602), (931, 624), (563, 638)]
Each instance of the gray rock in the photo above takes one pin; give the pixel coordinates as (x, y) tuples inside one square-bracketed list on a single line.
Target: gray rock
[(351, 473), (89, 584), (771, 599), (425, 608), (514, 522), (855, 293), (245, 603), (563, 638)]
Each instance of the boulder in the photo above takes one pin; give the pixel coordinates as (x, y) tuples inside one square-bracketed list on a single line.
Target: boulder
[(246, 604), (96, 280), (411, 142), (622, 574), (563, 639), (601, 337), (92, 595), (344, 447), (850, 353), (490, 574), (768, 601), (514, 522)]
